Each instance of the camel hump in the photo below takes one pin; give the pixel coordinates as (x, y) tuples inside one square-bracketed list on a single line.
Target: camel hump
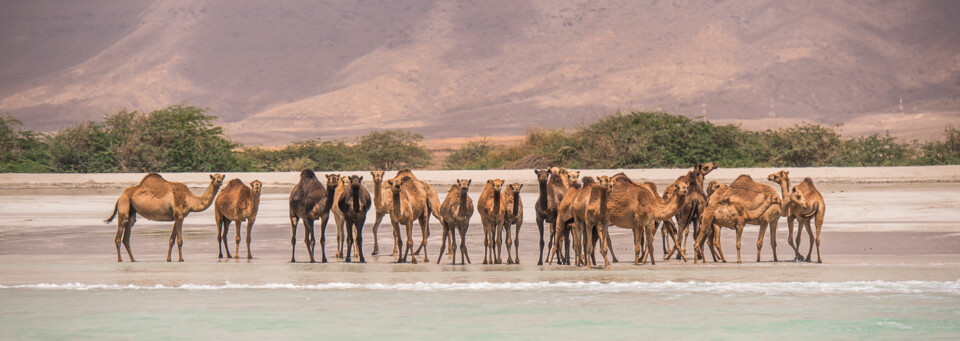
[(588, 180), (233, 183), (151, 176), (622, 177), (308, 173), (807, 181)]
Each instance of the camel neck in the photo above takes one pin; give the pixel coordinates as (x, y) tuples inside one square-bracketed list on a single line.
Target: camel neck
[(516, 203), (462, 209), (784, 189), (396, 203), (202, 202), (377, 197), (254, 203), (496, 202), (755, 214), (542, 201), (603, 203), (668, 207), (355, 193), (329, 203)]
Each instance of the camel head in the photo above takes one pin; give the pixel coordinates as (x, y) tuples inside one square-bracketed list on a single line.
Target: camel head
[(333, 180), (797, 197), (606, 183), (515, 187), (463, 185), (354, 181), (377, 176), (497, 184), (712, 187), (256, 185), (542, 175), (680, 188), (555, 170), (572, 175), (216, 180), (705, 168), (396, 185), (777, 177)]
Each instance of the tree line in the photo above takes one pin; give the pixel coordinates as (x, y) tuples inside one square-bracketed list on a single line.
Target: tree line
[(183, 138)]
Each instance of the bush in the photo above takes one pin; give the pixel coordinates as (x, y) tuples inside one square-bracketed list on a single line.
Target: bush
[(946, 152), (21, 151), (470, 156), (394, 149)]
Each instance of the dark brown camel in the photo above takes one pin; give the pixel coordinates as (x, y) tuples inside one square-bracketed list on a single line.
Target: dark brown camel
[(308, 201), (354, 204)]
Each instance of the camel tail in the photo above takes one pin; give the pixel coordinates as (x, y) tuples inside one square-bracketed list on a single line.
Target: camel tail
[(813, 212), (108, 220)]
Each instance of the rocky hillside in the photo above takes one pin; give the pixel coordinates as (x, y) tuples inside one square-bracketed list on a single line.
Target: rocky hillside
[(277, 71)]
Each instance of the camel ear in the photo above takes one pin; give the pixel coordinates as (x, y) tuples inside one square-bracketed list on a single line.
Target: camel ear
[(361, 178), (211, 176), (489, 181), (786, 172)]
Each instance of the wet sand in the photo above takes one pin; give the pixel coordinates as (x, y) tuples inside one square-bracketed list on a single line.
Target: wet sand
[(881, 227)]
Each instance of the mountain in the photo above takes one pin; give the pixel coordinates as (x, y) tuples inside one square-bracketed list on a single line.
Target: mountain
[(278, 71)]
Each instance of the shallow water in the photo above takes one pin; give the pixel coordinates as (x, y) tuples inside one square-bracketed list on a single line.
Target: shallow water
[(889, 273)]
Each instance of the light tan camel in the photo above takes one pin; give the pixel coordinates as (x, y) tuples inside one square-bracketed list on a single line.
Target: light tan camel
[(590, 213), (633, 206), (457, 208), (742, 188), (731, 215), (237, 202), (159, 200), (693, 205), (491, 209), (561, 179), (512, 215), (806, 204), (407, 205), (432, 202), (381, 201)]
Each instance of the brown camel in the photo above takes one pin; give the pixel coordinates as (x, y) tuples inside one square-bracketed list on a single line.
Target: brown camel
[(693, 205), (310, 201), (590, 213), (237, 202), (432, 202), (338, 215), (491, 210), (565, 226), (561, 179), (512, 215), (546, 212), (806, 204), (407, 205), (159, 200), (354, 204), (457, 208), (633, 206), (731, 215), (750, 195)]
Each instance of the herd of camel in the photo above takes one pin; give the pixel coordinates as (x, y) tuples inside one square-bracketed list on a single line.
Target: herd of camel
[(578, 211)]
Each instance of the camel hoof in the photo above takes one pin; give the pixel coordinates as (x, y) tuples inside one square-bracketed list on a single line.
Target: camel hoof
[(374, 253), (819, 261)]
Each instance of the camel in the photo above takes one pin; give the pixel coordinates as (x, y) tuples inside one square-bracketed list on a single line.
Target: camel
[(491, 211), (354, 204), (237, 202), (430, 197), (310, 201), (544, 210), (590, 213), (566, 227), (381, 201), (159, 200), (633, 206), (559, 183), (512, 215), (407, 205), (742, 187), (693, 205), (730, 214), (457, 208), (805, 203)]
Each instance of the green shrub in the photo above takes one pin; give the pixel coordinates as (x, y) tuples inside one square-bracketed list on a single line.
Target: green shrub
[(394, 149), (946, 152), (470, 156), (21, 151)]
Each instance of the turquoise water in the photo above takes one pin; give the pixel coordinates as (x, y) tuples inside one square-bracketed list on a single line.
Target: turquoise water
[(528, 310)]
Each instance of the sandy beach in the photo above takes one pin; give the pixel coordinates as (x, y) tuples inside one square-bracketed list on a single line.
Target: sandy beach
[(891, 238)]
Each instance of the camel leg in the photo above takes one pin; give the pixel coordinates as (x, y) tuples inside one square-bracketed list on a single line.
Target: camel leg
[(604, 246), (293, 240), (819, 222), (178, 225), (173, 239), (506, 227), (223, 236), (453, 244), (340, 236), (236, 255), (119, 238), (773, 238), (348, 240), (249, 229), (397, 239), (542, 242), (682, 254), (443, 242), (716, 243), (408, 250), (425, 232), (309, 236), (516, 243), (636, 246), (127, 228), (606, 235), (219, 235), (763, 230), (739, 234), (806, 225), (376, 226), (463, 243), (651, 231), (790, 238)]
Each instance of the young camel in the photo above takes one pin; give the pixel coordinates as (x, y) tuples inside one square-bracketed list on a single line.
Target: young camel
[(807, 204), (159, 200), (491, 210), (731, 215), (354, 204), (457, 208), (590, 213), (310, 201), (633, 206), (751, 196), (237, 202), (512, 215), (407, 205)]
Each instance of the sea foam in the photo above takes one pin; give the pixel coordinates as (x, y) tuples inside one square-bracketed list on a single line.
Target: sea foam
[(768, 288)]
